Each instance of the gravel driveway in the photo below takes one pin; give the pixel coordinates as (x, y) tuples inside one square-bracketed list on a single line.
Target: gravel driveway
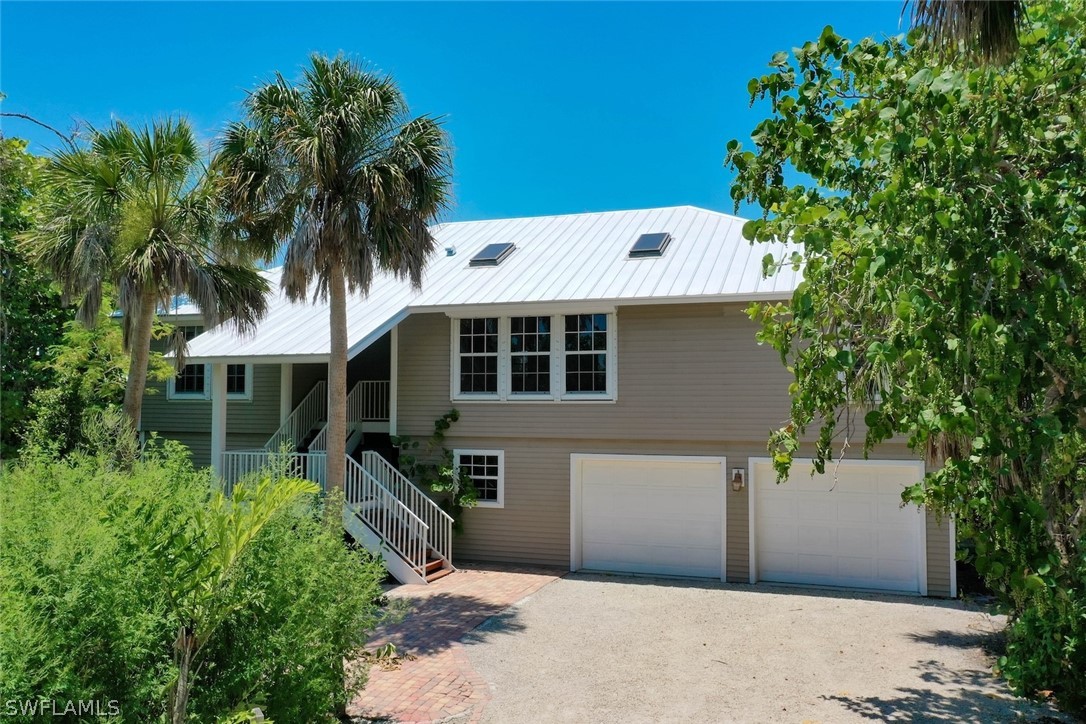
[(595, 648)]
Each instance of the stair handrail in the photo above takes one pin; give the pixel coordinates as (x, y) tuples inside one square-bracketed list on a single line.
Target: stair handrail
[(439, 522), (367, 401), (373, 503), (312, 408)]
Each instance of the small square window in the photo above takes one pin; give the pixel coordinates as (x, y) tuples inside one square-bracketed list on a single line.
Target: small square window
[(486, 470)]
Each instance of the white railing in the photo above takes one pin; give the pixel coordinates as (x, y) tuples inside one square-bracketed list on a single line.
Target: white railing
[(367, 401), (236, 464), (309, 412), (400, 529), (438, 522)]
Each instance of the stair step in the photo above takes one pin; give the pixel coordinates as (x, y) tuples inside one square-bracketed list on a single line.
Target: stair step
[(433, 565), (431, 577)]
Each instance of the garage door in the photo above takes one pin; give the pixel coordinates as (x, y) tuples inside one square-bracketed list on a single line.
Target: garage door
[(844, 528), (649, 514)]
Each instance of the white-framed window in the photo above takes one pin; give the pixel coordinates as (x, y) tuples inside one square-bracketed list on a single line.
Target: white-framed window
[(586, 354), (486, 468), (193, 382), (530, 356), (477, 341), (534, 357)]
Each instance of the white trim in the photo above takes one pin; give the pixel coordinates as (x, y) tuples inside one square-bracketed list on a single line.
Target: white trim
[(500, 454), (387, 326), (953, 557), (506, 309), (286, 391), (268, 359), (454, 367), (209, 383), (219, 399), (393, 379), (922, 515), (505, 365), (557, 355), (576, 470)]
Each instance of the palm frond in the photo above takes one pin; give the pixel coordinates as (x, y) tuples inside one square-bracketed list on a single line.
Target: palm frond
[(985, 28)]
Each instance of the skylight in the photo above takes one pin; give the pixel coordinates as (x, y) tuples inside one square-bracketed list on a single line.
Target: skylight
[(492, 254), (650, 245)]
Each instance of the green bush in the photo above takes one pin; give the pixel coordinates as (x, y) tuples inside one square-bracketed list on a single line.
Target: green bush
[(86, 612)]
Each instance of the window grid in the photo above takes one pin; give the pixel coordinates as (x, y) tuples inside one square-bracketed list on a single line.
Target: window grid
[(530, 354), (586, 353), (235, 380), (190, 380), (479, 355), (485, 472)]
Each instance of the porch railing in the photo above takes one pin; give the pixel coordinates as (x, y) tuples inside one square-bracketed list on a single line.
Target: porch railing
[(311, 410), (236, 464)]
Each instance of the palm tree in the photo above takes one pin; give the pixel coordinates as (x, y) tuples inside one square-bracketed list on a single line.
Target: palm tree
[(135, 213), (987, 28), (336, 169)]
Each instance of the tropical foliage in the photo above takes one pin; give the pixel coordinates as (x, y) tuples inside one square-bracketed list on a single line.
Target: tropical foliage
[(335, 168), (114, 584), (940, 219), (82, 376), (31, 315), (134, 210), (433, 467)]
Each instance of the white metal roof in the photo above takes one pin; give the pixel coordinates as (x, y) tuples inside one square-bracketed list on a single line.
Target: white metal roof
[(570, 259)]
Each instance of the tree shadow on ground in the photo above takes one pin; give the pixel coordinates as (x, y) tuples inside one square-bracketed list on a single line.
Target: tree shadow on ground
[(992, 642), (436, 622), (956, 696)]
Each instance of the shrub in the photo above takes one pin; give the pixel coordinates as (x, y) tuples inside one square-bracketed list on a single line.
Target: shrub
[(87, 612)]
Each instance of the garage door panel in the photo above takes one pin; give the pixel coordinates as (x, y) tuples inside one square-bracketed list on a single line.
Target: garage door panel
[(855, 539), (652, 516), (852, 567), (844, 528), (854, 511), (816, 539)]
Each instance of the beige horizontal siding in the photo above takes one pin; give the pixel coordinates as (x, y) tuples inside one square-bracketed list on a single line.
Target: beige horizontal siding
[(249, 423), (692, 380), (940, 545), (690, 372)]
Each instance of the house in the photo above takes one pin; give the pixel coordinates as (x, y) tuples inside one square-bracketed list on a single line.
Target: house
[(614, 405)]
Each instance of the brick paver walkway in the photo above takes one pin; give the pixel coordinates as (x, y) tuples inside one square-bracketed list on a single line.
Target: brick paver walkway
[(440, 685)]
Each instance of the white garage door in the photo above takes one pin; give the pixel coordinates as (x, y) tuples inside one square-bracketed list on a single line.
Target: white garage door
[(649, 514), (843, 528)]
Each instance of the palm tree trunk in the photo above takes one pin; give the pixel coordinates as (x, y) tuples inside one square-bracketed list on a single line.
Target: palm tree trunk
[(139, 346), (337, 377)]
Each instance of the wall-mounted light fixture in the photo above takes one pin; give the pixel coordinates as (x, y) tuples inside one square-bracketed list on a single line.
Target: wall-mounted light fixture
[(737, 479)]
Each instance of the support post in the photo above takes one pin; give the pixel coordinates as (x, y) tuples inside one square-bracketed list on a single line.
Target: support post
[(286, 391), (218, 416), (393, 378)]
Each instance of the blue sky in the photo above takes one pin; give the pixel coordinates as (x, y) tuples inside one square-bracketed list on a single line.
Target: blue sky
[(552, 107)]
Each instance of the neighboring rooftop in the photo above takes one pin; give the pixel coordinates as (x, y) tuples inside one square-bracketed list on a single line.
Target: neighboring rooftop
[(558, 259)]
